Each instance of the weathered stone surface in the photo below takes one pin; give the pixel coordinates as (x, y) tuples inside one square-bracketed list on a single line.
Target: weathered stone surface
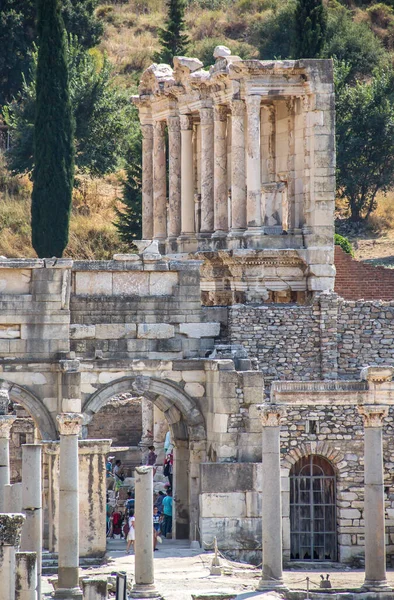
[(199, 330), (155, 331)]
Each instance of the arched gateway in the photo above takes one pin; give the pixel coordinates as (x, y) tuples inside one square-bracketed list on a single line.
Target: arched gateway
[(187, 426)]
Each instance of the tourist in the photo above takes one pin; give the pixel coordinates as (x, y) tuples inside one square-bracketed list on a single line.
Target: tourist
[(117, 520), (130, 502), (131, 534), (156, 527), (118, 474), (109, 472), (166, 527), (151, 460), (159, 501)]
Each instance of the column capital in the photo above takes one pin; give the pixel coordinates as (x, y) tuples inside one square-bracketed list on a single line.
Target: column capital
[(173, 123), (11, 529), (220, 112), (238, 108), (271, 414), (6, 422), (373, 414), (186, 122), (206, 116), (253, 103), (69, 423)]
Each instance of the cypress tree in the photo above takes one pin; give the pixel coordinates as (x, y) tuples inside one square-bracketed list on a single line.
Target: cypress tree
[(129, 218), (174, 42), (53, 174), (310, 28)]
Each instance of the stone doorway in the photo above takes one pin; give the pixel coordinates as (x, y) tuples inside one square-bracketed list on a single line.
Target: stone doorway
[(313, 530)]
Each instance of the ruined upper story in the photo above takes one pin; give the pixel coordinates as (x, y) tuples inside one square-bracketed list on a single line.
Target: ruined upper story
[(239, 170)]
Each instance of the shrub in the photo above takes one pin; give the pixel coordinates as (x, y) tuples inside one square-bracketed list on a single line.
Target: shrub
[(344, 243)]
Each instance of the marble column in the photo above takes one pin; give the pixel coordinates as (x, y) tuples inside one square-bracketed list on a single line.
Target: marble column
[(10, 535), (144, 586), (32, 504), (272, 572), (147, 181), (159, 182), (13, 497), (147, 409), (187, 179), (95, 588), (207, 168), (69, 425), (220, 172), (174, 166), (26, 574), (375, 545), (253, 166), (238, 167), (6, 422)]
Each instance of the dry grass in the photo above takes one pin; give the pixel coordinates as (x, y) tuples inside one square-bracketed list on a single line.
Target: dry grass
[(382, 219)]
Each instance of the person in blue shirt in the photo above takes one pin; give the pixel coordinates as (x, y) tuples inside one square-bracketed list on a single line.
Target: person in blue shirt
[(166, 526)]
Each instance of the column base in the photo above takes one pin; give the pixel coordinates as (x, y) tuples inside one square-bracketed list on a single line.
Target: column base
[(254, 237), (267, 585), (145, 591), (371, 585), (68, 593)]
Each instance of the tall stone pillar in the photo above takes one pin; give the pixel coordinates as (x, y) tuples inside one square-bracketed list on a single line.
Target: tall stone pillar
[(26, 576), (69, 425), (238, 167), (147, 181), (174, 179), (272, 573), (375, 547), (187, 179), (253, 209), (32, 504), (13, 497), (220, 172), (207, 168), (144, 586), (159, 182), (10, 535), (6, 422)]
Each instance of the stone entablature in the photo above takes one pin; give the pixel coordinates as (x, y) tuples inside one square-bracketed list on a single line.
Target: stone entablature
[(251, 163)]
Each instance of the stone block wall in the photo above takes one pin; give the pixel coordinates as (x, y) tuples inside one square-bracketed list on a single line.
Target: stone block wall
[(119, 420), (355, 280)]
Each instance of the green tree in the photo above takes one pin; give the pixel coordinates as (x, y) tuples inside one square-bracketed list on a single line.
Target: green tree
[(173, 40), (53, 174), (18, 33), (102, 114), (277, 33), (129, 217), (310, 28), (365, 139)]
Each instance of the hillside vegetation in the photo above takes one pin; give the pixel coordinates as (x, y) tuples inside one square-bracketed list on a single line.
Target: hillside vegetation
[(360, 33)]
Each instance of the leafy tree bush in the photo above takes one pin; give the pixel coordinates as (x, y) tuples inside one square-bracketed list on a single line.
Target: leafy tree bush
[(277, 33), (310, 28), (173, 40), (18, 32), (365, 139), (101, 111), (344, 243), (53, 174)]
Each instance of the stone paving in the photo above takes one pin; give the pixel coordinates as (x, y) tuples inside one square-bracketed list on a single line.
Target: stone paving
[(181, 572)]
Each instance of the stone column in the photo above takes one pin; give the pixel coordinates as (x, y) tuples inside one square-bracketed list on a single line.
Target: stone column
[(238, 167), (253, 165), (95, 588), (32, 504), (147, 181), (272, 573), (69, 425), (144, 586), (159, 182), (174, 179), (13, 497), (187, 180), (375, 546), (26, 576), (6, 422), (207, 167), (10, 535), (220, 172)]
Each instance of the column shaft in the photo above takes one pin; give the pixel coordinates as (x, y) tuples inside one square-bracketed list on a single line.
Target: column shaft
[(253, 210), (174, 152), (147, 182), (207, 168), (220, 171), (159, 182), (26, 573), (32, 504), (10, 531), (238, 168), (6, 422), (187, 180), (13, 497), (144, 586)]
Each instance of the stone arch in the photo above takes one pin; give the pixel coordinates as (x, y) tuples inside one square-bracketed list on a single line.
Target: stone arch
[(334, 455), (34, 406), (180, 410)]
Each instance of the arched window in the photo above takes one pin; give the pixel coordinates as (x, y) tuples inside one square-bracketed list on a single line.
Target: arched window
[(313, 525)]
